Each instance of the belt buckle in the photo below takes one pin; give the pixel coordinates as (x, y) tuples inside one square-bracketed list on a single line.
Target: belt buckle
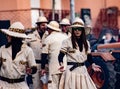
[(78, 64), (11, 81)]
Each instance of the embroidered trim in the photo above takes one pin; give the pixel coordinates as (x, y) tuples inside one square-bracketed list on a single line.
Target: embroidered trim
[(17, 30)]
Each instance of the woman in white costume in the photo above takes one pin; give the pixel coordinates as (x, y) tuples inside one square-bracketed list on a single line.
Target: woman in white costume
[(76, 50), (14, 57)]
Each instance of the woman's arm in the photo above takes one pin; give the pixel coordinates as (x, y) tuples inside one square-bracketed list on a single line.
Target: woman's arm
[(60, 57), (94, 66), (89, 58)]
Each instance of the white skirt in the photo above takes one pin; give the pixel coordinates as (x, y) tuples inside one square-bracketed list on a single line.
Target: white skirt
[(76, 79)]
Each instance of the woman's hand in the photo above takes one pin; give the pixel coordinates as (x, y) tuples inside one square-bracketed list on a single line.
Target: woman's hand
[(28, 70), (43, 71), (96, 68), (61, 67)]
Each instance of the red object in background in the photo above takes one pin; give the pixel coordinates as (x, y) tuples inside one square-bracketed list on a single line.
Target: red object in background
[(28, 70), (108, 17)]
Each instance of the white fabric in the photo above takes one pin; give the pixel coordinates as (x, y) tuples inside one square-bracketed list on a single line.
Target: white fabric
[(54, 26), (16, 25), (5, 85), (36, 78), (51, 46), (79, 77), (65, 21), (15, 34), (14, 69), (36, 45)]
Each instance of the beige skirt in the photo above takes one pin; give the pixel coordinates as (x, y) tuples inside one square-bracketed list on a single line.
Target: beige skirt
[(76, 79), (21, 85)]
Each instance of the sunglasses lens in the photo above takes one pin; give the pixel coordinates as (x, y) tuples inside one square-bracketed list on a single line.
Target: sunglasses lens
[(77, 28)]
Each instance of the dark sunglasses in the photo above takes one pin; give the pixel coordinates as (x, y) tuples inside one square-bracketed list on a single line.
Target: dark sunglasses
[(77, 28)]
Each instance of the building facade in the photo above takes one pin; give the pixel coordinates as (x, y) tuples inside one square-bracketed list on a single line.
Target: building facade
[(27, 11)]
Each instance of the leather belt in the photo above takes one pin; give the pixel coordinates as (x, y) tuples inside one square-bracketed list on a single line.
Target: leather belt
[(12, 80), (75, 65)]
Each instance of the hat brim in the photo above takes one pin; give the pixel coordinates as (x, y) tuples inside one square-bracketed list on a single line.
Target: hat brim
[(41, 22), (77, 26), (15, 34), (64, 24), (53, 28)]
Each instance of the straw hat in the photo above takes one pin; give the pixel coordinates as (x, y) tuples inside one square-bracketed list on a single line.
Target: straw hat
[(78, 22), (65, 21), (42, 19), (88, 26), (16, 30), (54, 26)]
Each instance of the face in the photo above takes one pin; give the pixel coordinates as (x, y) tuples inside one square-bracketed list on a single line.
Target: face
[(86, 17), (108, 36), (41, 27), (49, 30), (87, 30), (77, 31), (65, 28)]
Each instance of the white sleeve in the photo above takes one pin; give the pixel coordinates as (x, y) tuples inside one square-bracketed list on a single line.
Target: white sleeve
[(64, 46), (31, 58), (45, 46), (89, 48)]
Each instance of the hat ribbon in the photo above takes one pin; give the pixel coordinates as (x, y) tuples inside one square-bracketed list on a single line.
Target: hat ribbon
[(17, 30)]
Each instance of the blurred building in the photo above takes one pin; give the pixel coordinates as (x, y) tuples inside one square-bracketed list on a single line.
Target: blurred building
[(103, 12)]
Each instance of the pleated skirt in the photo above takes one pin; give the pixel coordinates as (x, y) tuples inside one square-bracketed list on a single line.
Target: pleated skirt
[(76, 79)]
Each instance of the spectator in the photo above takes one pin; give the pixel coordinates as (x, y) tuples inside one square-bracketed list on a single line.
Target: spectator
[(90, 37), (108, 38), (65, 26)]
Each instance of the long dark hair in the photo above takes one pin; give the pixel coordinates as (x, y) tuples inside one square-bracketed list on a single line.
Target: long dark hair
[(16, 46), (81, 41)]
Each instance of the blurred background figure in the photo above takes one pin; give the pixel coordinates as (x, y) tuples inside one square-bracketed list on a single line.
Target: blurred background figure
[(90, 37), (87, 19), (119, 35), (38, 35), (108, 37), (105, 37), (51, 48), (65, 26)]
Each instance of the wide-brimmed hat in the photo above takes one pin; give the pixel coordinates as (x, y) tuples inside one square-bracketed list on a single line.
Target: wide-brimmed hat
[(88, 26), (65, 21), (54, 26), (16, 30), (42, 19), (78, 22)]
